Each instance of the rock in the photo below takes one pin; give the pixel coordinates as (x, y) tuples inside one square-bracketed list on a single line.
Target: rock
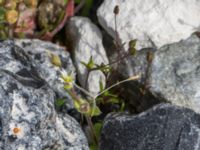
[(87, 42), (173, 74), (28, 120), (152, 23), (39, 57), (165, 127)]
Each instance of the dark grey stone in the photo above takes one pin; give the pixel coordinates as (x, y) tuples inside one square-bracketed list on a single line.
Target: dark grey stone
[(163, 127)]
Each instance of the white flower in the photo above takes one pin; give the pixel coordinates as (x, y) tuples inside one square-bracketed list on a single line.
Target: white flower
[(67, 79)]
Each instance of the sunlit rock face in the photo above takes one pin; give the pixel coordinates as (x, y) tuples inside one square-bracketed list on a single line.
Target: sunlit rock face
[(28, 119), (153, 23), (87, 43)]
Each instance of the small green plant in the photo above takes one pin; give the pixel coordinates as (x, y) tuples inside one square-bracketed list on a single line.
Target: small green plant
[(89, 106)]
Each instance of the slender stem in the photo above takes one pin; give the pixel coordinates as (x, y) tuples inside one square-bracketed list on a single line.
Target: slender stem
[(117, 41), (89, 121), (149, 62), (80, 5), (118, 83), (83, 90), (86, 79), (73, 95), (111, 63)]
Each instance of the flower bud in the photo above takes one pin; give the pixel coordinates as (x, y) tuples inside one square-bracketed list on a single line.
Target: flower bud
[(116, 10)]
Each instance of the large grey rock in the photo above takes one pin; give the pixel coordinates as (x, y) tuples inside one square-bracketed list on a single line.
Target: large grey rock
[(157, 21), (38, 57), (87, 42), (28, 120), (164, 127), (173, 74), (38, 51)]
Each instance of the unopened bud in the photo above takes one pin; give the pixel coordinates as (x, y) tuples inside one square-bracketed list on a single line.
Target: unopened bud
[(84, 108), (116, 10), (134, 77)]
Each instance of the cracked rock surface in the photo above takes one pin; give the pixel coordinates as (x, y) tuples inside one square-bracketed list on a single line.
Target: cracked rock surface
[(29, 84), (152, 23), (164, 126)]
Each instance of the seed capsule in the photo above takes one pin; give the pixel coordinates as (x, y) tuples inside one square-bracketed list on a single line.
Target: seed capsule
[(116, 10)]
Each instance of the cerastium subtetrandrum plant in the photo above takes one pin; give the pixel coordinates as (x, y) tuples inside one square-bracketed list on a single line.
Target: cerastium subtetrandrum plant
[(89, 107)]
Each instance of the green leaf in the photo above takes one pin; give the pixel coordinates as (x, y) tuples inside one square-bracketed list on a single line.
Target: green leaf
[(60, 102), (122, 107), (97, 128), (106, 69), (114, 100), (90, 64), (93, 146), (132, 49), (132, 43), (83, 63), (101, 87), (95, 111), (76, 105), (109, 94)]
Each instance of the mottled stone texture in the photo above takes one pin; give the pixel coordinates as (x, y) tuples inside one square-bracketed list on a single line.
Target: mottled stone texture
[(87, 42), (164, 127), (173, 74), (38, 52), (151, 22), (28, 120)]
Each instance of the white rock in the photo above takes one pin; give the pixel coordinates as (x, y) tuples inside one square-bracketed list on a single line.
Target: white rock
[(151, 21), (87, 41)]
